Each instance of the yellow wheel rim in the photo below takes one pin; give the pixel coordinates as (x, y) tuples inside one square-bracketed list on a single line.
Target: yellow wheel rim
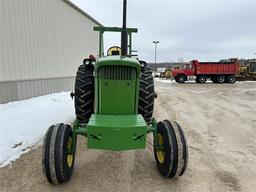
[(160, 154), (69, 156)]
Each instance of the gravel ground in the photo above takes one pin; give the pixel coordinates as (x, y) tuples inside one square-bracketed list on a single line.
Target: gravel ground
[(219, 121)]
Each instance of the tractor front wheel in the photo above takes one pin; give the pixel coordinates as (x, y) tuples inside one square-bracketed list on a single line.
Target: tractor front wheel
[(172, 152), (58, 156)]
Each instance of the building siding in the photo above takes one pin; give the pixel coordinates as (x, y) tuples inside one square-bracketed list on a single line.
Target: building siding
[(42, 44), (30, 88)]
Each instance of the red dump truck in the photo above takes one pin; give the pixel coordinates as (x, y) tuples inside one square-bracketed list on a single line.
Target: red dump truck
[(218, 72)]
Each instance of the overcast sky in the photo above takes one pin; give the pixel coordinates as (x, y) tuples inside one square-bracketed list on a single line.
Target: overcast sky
[(188, 29)]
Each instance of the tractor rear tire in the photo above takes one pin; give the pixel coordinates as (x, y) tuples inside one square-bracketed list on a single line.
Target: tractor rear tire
[(84, 93), (172, 161), (57, 162), (146, 95)]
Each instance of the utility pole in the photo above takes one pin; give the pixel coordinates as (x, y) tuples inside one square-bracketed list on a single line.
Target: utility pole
[(155, 42)]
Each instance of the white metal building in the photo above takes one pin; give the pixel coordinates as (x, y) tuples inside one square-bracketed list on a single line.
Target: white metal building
[(42, 44)]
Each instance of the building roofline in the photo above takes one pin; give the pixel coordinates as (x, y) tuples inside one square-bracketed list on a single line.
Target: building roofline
[(81, 11)]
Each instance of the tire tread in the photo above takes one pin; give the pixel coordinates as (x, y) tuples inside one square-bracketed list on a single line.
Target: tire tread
[(146, 95), (84, 93)]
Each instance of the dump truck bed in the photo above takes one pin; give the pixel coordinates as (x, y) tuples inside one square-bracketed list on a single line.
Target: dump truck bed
[(217, 68)]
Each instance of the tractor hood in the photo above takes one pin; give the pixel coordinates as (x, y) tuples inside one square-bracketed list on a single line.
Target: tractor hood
[(118, 61)]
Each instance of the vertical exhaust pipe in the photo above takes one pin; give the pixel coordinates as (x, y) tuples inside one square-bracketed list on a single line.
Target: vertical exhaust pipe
[(124, 34)]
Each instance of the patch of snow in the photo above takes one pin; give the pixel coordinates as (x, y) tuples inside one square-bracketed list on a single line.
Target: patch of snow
[(251, 89), (194, 91), (23, 124), (173, 81), (164, 80), (245, 82)]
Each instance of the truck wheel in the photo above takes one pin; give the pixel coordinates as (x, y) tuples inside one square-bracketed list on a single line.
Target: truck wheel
[(231, 79), (181, 79), (214, 79), (58, 159), (201, 79), (84, 93), (220, 78), (172, 160), (146, 95)]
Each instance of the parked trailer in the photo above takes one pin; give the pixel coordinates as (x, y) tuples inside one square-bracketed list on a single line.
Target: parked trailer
[(218, 72)]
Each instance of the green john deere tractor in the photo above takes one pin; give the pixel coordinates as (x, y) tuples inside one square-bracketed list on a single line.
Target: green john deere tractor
[(114, 101)]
